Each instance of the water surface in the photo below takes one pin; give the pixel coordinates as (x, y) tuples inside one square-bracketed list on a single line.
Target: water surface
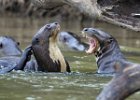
[(82, 84)]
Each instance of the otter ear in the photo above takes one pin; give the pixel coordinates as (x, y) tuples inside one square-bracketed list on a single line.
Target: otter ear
[(109, 40), (1, 45)]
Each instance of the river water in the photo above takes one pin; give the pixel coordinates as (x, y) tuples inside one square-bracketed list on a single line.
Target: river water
[(82, 84)]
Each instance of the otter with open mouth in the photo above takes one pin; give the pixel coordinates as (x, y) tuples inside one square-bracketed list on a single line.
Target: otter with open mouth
[(105, 48), (47, 54), (110, 60)]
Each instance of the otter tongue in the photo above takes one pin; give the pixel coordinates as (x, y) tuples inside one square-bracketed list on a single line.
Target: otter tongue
[(92, 46)]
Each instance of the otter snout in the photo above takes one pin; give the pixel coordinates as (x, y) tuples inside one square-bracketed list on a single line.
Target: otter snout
[(49, 27), (90, 31), (52, 25), (96, 33)]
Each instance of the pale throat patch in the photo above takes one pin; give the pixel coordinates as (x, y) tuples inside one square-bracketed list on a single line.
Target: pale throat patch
[(97, 58), (56, 55)]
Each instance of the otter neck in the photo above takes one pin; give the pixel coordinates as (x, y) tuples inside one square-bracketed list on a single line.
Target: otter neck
[(106, 48), (56, 55), (106, 61), (109, 55)]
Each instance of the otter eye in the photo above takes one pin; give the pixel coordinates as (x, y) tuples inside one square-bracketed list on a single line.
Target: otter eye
[(1, 45), (48, 25), (86, 29), (55, 23), (37, 40), (18, 43), (65, 39)]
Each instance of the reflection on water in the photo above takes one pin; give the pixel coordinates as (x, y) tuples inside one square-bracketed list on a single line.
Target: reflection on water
[(81, 84), (24, 29)]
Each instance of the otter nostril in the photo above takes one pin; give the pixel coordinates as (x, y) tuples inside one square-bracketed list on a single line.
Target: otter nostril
[(86, 29)]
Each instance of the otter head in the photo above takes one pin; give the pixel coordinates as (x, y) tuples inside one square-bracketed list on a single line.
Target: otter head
[(46, 34), (99, 41), (9, 47), (46, 51), (72, 41)]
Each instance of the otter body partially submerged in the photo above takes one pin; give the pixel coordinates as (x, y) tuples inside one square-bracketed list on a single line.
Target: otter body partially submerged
[(124, 83), (11, 55), (46, 51), (105, 48), (110, 60)]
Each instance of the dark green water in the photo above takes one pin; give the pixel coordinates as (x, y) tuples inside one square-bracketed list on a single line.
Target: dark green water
[(81, 84)]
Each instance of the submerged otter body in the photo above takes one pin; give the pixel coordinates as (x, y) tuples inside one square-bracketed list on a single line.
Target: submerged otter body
[(105, 48), (124, 83), (10, 55), (47, 54)]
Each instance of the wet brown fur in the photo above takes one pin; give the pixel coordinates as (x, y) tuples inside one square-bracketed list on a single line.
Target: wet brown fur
[(47, 53)]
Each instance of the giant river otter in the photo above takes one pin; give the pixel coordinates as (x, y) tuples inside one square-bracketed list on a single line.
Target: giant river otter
[(105, 48), (125, 82), (110, 60), (46, 51), (10, 55)]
